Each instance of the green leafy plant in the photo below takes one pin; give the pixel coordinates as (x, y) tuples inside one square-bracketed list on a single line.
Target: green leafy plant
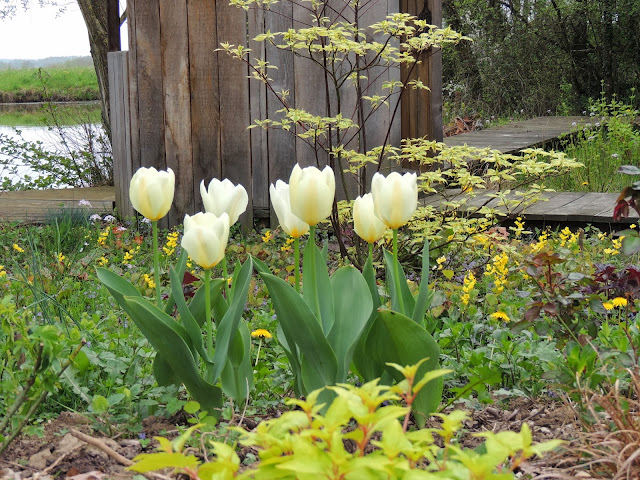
[(306, 443)]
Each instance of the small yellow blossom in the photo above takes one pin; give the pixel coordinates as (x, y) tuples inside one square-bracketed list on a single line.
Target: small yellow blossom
[(128, 256), (60, 257), (3, 272), (499, 271), (608, 306), (267, 236), (440, 261), (17, 248), (500, 315), (172, 242), (261, 333), (149, 281), (585, 183), (102, 238), (102, 261), (619, 302), (467, 288), (633, 225)]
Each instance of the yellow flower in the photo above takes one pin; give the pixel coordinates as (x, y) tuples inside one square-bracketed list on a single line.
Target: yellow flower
[(467, 287), (500, 315), (619, 302), (585, 183), (267, 236), (149, 281), (128, 256), (60, 257), (17, 248), (261, 333), (633, 225), (608, 306), (3, 273), (102, 261)]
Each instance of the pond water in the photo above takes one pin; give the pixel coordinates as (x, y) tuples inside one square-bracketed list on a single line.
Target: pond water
[(27, 123)]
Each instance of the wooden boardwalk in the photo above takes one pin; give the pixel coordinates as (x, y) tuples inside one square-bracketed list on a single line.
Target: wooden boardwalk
[(514, 136), (36, 206), (553, 207)]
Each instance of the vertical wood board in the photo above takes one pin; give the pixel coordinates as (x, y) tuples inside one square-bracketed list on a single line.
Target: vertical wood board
[(205, 104), (177, 105)]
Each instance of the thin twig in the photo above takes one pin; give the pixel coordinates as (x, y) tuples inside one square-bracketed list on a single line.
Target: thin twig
[(102, 446)]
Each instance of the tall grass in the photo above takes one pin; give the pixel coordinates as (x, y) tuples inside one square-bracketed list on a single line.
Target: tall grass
[(27, 85), (611, 140)]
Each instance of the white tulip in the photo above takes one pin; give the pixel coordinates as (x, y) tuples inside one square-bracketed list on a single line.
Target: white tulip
[(205, 238), (365, 223), (223, 196), (291, 224), (395, 197), (151, 192), (311, 193)]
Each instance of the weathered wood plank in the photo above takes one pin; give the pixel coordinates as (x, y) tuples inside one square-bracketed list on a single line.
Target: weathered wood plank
[(234, 104), (134, 118), (177, 105), (258, 111), (584, 208), (149, 89), (38, 205), (515, 136), (205, 104)]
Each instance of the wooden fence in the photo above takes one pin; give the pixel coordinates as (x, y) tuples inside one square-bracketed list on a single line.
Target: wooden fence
[(177, 103)]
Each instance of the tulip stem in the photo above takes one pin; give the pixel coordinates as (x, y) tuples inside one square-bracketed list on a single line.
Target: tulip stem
[(296, 253), (207, 310), (370, 245), (156, 263), (226, 279), (396, 277)]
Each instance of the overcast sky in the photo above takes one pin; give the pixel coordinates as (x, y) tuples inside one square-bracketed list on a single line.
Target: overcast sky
[(42, 32)]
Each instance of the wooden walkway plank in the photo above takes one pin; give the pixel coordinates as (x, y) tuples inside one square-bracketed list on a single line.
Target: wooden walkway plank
[(515, 136)]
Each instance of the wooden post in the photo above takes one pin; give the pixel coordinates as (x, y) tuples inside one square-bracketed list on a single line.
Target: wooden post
[(113, 26), (422, 109)]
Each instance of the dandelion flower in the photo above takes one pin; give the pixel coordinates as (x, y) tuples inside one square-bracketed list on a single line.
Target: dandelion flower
[(608, 306), (17, 248), (500, 315), (261, 333), (619, 302)]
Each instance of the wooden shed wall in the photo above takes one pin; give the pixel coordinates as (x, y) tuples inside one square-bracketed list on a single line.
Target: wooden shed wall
[(182, 105)]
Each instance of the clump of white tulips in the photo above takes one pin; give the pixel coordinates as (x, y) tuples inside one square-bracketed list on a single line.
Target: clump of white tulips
[(179, 345)]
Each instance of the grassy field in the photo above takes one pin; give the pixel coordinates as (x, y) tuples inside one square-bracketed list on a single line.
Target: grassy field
[(55, 84), (40, 115)]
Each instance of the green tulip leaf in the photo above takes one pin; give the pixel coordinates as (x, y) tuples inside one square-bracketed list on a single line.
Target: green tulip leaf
[(186, 317), (402, 301), (260, 266), (361, 360), (423, 300), (228, 325), (163, 372), (168, 338), (234, 279), (237, 375), (398, 339), (353, 306), (302, 329), (197, 303), (181, 266), (294, 359), (316, 288)]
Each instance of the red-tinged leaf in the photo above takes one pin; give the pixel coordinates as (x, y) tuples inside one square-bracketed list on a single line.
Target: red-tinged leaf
[(550, 309), (621, 210), (532, 314), (189, 278)]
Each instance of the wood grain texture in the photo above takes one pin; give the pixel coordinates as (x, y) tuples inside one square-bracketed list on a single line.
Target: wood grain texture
[(205, 104), (515, 136), (258, 111), (134, 130), (177, 105), (234, 104)]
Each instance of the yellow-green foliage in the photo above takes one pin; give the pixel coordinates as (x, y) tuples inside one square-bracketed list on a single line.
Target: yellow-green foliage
[(309, 444)]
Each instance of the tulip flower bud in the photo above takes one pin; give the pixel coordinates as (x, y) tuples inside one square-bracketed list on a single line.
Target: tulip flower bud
[(291, 224), (395, 198), (311, 193), (205, 238), (366, 224), (151, 192), (224, 196)]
